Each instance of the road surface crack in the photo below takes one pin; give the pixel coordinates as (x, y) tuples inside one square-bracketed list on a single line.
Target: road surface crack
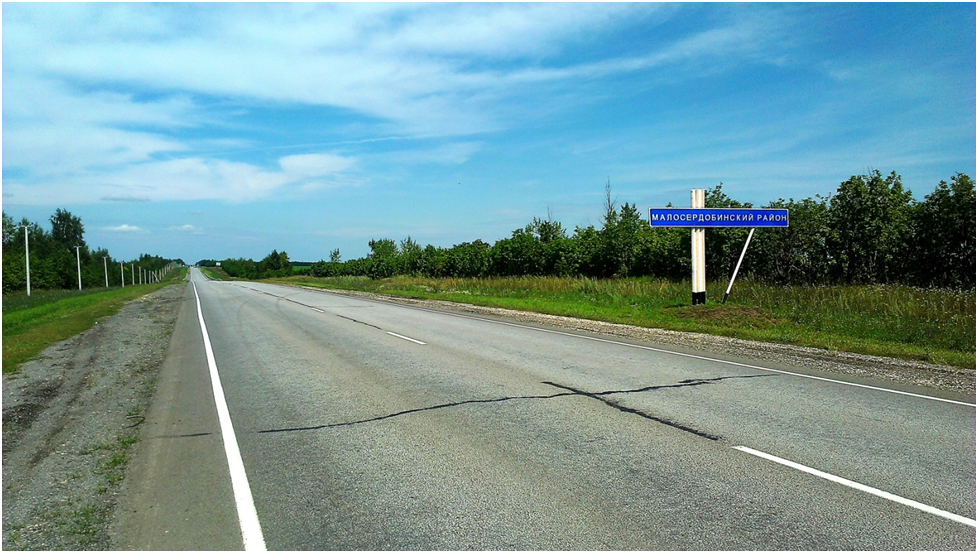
[(569, 391)]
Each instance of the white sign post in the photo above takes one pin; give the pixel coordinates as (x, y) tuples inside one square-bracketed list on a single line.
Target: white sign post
[(699, 218), (698, 201)]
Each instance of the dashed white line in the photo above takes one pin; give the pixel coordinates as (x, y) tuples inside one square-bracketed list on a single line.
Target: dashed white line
[(406, 338), (251, 532), (860, 487), (317, 310)]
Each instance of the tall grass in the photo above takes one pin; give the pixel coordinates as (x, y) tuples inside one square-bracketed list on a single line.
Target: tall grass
[(936, 325)]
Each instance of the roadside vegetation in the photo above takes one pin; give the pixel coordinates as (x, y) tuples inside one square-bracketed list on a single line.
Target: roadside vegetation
[(56, 309), (215, 273), (871, 231), (32, 323), (54, 262)]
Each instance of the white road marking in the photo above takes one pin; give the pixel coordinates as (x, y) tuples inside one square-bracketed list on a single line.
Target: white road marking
[(406, 338), (860, 487), (317, 310), (251, 532)]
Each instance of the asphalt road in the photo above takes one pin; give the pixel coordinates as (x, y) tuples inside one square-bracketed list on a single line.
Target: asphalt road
[(369, 425)]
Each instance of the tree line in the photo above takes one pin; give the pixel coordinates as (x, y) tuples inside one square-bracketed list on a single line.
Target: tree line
[(275, 264), (871, 230), (54, 261)]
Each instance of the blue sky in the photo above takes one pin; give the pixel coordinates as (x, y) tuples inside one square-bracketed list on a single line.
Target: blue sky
[(228, 130)]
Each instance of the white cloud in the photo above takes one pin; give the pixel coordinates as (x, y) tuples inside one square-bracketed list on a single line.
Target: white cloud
[(188, 178), (124, 228), (53, 129), (187, 228)]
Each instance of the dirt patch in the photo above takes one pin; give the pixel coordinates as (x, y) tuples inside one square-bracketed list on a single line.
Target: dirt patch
[(733, 316)]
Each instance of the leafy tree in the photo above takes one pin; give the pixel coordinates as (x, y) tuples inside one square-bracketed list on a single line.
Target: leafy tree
[(274, 264), (412, 259), (547, 231), (589, 253), (14, 261), (384, 259), (943, 230), (466, 260), (797, 254), (868, 217), (66, 229), (10, 230), (621, 241), (665, 253)]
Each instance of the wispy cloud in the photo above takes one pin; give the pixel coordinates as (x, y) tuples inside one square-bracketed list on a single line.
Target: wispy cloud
[(127, 199), (418, 69)]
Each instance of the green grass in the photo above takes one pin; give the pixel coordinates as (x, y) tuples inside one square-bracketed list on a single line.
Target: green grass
[(31, 324), (215, 273), (894, 321)]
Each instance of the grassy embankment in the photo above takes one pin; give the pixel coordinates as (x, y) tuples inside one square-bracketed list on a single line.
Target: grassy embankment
[(31, 324), (894, 321), (214, 273)]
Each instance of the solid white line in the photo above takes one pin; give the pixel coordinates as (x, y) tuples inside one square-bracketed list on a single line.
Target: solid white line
[(406, 338), (251, 532), (860, 487)]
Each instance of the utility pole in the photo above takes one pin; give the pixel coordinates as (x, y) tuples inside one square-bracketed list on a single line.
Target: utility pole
[(105, 265), (27, 252), (122, 272), (78, 258), (132, 271)]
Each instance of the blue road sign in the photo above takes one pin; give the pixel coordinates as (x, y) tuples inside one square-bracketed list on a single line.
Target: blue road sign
[(688, 217)]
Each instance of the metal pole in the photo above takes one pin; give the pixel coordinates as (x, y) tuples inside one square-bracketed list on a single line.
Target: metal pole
[(739, 261), (78, 257), (27, 253), (698, 239), (105, 265)]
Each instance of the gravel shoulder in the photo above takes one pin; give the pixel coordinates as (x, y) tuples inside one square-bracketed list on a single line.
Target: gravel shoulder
[(72, 416), (70, 419)]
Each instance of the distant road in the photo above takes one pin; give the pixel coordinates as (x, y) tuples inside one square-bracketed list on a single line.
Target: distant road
[(369, 425)]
